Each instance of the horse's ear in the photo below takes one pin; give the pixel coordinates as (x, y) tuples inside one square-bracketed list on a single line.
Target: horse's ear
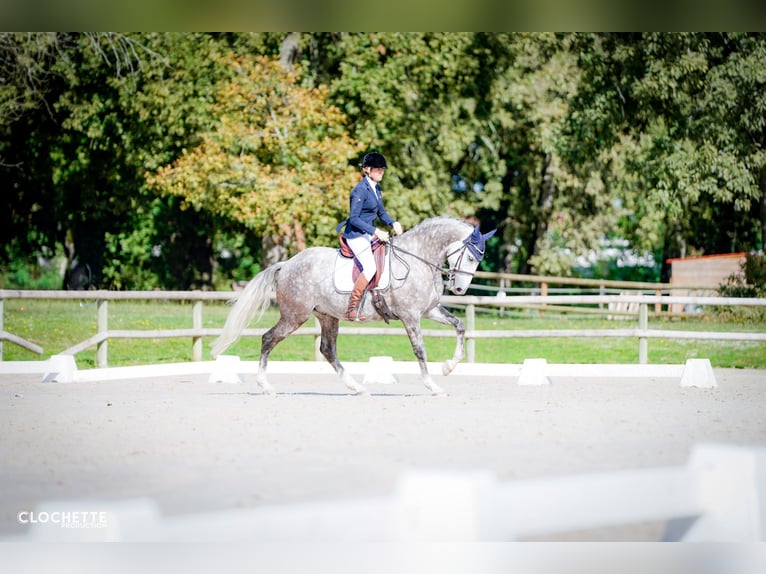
[(488, 235)]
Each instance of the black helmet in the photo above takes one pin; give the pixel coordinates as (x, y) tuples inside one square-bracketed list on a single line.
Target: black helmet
[(374, 159)]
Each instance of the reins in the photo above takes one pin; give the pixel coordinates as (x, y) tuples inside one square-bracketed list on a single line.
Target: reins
[(449, 273)]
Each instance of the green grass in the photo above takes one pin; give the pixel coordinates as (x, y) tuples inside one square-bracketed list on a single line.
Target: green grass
[(58, 325)]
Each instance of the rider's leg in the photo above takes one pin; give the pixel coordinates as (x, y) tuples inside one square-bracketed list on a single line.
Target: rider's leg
[(363, 253)]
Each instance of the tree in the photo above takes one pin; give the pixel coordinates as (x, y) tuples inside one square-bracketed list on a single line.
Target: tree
[(277, 161), (687, 111), (115, 105), (559, 140), (412, 97)]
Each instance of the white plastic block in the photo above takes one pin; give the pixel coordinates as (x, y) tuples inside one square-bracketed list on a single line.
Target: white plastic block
[(380, 370), (60, 369), (533, 372), (226, 370), (698, 373)]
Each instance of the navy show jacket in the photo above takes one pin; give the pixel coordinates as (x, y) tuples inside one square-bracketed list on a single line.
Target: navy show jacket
[(365, 205)]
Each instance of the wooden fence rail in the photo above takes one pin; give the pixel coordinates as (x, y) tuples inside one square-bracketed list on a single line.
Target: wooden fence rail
[(642, 332)]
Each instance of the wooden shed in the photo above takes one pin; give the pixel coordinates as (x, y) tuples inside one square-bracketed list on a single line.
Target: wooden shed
[(705, 273)]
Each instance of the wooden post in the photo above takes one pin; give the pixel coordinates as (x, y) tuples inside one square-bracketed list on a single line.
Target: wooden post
[(103, 326), (658, 306), (197, 324), (470, 324), (643, 324), (543, 293)]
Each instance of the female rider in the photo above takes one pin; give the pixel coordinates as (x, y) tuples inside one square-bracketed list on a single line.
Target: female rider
[(366, 204)]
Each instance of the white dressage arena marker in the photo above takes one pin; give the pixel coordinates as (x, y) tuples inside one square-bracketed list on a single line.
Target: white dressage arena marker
[(226, 370), (381, 371), (60, 369), (533, 372), (698, 373)]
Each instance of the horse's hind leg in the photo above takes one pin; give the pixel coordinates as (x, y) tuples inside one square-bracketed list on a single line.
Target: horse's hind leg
[(441, 315), (270, 339), (328, 349)]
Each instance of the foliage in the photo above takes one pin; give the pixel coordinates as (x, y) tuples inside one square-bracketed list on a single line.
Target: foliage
[(277, 161), (175, 160), (750, 281), (685, 112), (414, 97), (44, 273), (80, 180)]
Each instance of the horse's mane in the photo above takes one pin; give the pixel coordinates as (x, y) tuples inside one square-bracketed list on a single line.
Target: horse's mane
[(437, 224)]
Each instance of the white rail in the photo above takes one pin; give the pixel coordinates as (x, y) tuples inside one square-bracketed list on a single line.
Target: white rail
[(718, 496)]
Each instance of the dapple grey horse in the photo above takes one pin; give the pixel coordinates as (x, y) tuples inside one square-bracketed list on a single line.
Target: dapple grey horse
[(304, 286)]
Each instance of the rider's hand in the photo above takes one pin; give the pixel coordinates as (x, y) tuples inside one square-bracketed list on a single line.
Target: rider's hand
[(382, 235), (397, 228)]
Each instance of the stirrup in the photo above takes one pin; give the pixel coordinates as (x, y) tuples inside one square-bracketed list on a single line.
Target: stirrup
[(356, 313)]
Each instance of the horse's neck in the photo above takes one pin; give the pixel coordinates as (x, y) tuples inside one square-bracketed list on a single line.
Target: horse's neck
[(432, 243)]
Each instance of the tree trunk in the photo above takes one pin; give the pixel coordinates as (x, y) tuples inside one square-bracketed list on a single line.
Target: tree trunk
[(544, 205), (762, 186)]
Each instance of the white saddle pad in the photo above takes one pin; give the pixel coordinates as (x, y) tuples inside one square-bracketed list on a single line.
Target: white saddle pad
[(344, 267)]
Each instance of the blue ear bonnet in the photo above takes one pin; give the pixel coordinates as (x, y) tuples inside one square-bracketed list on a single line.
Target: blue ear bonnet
[(476, 242)]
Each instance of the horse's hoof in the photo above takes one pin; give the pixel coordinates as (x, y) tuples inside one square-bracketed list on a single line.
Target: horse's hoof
[(266, 388), (448, 367), (361, 392), (439, 393)]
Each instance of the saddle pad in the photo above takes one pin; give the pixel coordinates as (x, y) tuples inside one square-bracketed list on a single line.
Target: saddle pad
[(344, 267)]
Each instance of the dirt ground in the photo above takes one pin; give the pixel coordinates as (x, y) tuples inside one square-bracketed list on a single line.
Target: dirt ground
[(193, 446)]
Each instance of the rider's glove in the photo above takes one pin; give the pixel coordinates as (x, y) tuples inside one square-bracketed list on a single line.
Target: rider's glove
[(397, 228), (382, 235)]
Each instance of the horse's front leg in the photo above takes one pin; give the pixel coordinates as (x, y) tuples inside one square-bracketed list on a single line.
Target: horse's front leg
[(441, 315), (412, 326)]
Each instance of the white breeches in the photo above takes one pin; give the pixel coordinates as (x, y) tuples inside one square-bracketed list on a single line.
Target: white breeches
[(361, 248)]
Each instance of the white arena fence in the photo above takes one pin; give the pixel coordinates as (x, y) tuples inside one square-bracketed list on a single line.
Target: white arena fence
[(719, 495), (641, 332), (378, 370)]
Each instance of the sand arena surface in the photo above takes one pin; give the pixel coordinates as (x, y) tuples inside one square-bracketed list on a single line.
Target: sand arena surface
[(193, 446)]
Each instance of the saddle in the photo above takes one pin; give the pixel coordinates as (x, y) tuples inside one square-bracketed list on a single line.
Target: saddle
[(345, 262), (348, 269)]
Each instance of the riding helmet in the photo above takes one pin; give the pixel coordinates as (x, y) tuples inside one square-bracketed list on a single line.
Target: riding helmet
[(374, 159)]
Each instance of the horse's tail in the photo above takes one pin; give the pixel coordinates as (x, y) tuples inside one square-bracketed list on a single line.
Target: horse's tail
[(251, 302)]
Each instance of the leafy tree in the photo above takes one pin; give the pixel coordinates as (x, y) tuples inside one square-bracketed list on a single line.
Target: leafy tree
[(684, 112), (115, 106), (412, 97), (37, 70), (560, 140), (277, 161)]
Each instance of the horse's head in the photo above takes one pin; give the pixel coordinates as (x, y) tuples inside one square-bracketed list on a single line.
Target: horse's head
[(464, 257)]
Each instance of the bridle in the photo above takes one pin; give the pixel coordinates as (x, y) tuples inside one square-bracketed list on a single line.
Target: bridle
[(453, 271)]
